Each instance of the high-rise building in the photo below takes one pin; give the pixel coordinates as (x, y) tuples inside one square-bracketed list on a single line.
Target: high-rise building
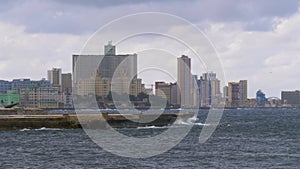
[(237, 93), (66, 89), (195, 91), (291, 98), (54, 76), (233, 94), (66, 83), (210, 94), (163, 90), (184, 80), (243, 93), (225, 96), (174, 94), (115, 73)]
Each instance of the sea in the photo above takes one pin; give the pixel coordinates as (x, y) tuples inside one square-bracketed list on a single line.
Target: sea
[(245, 138)]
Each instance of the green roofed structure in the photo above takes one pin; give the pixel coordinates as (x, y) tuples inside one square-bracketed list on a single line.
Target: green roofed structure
[(9, 99)]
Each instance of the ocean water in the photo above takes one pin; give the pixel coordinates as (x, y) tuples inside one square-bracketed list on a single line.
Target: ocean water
[(246, 138)]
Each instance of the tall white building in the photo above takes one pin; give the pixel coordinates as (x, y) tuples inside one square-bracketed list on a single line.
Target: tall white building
[(184, 79)]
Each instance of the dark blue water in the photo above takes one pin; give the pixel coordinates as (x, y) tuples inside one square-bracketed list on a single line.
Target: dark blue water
[(263, 138)]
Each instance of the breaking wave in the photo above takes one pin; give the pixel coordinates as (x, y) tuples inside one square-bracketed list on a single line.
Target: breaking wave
[(40, 129)]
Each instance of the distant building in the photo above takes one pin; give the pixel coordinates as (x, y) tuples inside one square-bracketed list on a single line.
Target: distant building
[(18, 84), (54, 76), (175, 96), (237, 93), (163, 90), (195, 92), (233, 94), (291, 98), (209, 90), (204, 91), (115, 73), (42, 97), (184, 80), (4, 86), (66, 83), (243, 93), (260, 99)]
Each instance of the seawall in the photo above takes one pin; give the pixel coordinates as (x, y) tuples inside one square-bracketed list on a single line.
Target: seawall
[(90, 121)]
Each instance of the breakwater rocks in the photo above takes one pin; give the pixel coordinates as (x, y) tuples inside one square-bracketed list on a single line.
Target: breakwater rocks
[(88, 121)]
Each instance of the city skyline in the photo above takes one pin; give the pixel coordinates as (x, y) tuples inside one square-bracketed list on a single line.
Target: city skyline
[(48, 33)]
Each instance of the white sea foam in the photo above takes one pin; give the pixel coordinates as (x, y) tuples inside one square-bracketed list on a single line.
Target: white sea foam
[(40, 129), (153, 127)]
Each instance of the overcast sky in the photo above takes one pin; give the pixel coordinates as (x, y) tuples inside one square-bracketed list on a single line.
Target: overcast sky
[(256, 40)]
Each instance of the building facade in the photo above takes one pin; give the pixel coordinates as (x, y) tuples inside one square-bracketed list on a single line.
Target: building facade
[(291, 98), (238, 94), (184, 80), (54, 76), (4, 86), (115, 73), (42, 97)]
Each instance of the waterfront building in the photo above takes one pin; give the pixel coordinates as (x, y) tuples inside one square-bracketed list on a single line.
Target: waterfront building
[(243, 93), (4, 86), (209, 89), (163, 90), (54, 76), (237, 93), (9, 98), (66, 90), (42, 97), (260, 99), (18, 84), (175, 96), (233, 94), (184, 80), (66, 83), (291, 98), (195, 91), (115, 73)]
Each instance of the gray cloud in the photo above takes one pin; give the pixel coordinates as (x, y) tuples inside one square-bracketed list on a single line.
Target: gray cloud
[(80, 17)]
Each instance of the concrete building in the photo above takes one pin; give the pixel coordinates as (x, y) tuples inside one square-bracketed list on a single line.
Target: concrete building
[(184, 80), (237, 93), (204, 91), (18, 84), (54, 76), (174, 94), (195, 92), (163, 90), (116, 73), (42, 97), (66, 83), (4, 86), (210, 94), (233, 94), (243, 93), (291, 98)]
